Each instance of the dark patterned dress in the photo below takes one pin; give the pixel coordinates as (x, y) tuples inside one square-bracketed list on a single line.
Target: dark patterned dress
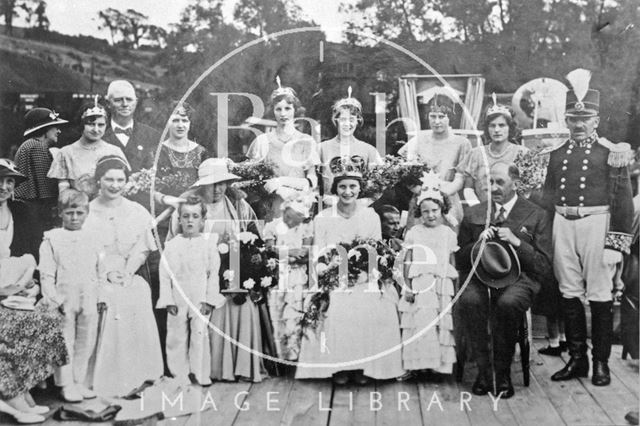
[(177, 171), (31, 347)]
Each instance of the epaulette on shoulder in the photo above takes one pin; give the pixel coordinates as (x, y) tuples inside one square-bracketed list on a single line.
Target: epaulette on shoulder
[(620, 154)]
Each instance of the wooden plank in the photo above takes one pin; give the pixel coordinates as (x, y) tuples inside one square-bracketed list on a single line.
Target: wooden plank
[(571, 400), (353, 405), (440, 403), (615, 399), (265, 402), (401, 404), (309, 403), (624, 370), (227, 397)]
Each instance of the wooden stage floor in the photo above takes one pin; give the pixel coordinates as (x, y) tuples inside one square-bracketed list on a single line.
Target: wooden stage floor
[(311, 403)]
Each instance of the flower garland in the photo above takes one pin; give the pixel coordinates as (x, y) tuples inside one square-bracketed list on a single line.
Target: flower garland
[(258, 270), (139, 182), (380, 177), (252, 173), (532, 166), (329, 279)]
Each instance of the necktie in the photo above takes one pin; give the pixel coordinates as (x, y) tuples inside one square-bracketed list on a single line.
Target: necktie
[(502, 216), (126, 132)]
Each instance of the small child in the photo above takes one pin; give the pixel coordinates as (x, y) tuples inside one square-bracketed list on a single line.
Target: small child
[(189, 277), (286, 300), (71, 276), (428, 290)]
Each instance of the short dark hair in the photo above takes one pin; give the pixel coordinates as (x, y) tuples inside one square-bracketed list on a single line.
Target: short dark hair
[(445, 205), (386, 208), (441, 103), (337, 179), (511, 122), (90, 119), (110, 162), (290, 97), (352, 109)]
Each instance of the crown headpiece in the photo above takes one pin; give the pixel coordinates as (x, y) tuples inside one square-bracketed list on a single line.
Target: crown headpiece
[(430, 187), (95, 110), (348, 101), (347, 166), (497, 108), (282, 90)]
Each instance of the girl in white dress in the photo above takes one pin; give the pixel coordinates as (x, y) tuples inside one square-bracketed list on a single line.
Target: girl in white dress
[(361, 322), (426, 320), (128, 347)]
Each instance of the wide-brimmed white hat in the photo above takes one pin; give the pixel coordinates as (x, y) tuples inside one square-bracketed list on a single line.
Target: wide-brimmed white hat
[(214, 170)]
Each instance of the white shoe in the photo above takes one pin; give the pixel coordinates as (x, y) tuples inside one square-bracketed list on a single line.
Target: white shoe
[(70, 394), (85, 392), (38, 409), (19, 416)]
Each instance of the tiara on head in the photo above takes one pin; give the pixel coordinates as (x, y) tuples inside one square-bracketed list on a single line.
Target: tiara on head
[(95, 110), (497, 108), (282, 90), (348, 101), (347, 166), (430, 187)]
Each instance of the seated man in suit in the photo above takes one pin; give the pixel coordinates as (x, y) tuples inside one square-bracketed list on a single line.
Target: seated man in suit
[(524, 230), (391, 229)]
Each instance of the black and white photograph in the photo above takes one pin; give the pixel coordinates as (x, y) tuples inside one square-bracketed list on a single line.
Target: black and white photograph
[(319, 212)]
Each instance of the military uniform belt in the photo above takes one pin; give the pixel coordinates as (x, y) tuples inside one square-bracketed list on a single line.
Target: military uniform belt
[(578, 212)]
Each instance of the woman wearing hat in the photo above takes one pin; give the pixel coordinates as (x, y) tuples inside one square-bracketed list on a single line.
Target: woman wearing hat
[(33, 159), (293, 153), (500, 130), (75, 164), (227, 215), (31, 342), (441, 150), (128, 348), (362, 322)]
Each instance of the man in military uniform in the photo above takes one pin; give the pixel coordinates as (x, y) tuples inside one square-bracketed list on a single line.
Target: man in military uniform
[(588, 186)]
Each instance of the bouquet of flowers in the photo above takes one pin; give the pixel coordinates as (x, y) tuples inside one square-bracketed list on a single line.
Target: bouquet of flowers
[(329, 277), (533, 170), (175, 183), (258, 270), (252, 173), (139, 182), (394, 169)]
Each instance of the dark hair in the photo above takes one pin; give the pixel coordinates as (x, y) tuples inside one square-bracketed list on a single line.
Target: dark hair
[(90, 119), (193, 201), (72, 198), (511, 122), (110, 162), (445, 205), (441, 103), (188, 109), (337, 179), (352, 109), (386, 208)]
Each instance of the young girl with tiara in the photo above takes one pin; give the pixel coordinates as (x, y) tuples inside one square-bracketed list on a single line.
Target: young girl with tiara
[(294, 233), (425, 314)]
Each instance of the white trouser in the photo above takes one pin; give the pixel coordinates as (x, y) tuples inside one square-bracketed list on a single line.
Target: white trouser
[(188, 346), (80, 332), (578, 247)]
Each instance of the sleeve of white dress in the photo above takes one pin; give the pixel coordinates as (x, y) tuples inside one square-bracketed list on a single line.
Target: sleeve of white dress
[(166, 295), (376, 227), (59, 168), (259, 148), (145, 244), (214, 297), (47, 268), (102, 273)]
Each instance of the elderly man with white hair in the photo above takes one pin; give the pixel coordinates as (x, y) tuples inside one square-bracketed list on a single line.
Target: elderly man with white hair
[(138, 141)]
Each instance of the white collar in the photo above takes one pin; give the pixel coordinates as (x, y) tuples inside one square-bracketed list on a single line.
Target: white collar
[(116, 125), (508, 206)]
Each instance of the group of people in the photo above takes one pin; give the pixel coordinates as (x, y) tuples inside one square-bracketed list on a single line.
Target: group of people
[(86, 287)]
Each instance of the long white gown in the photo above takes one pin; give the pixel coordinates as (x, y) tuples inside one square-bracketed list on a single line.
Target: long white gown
[(360, 324), (128, 349)]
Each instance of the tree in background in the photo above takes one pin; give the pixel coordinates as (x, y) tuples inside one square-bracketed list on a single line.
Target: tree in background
[(130, 28), (111, 19)]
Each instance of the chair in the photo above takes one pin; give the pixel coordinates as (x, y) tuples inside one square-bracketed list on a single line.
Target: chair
[(523, 342)]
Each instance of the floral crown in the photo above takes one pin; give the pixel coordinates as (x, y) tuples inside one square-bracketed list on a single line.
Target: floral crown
[(348, 101), (300, 201), (95, 110), (282, 90), (497, 108), (346, 166), (430, 187)]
